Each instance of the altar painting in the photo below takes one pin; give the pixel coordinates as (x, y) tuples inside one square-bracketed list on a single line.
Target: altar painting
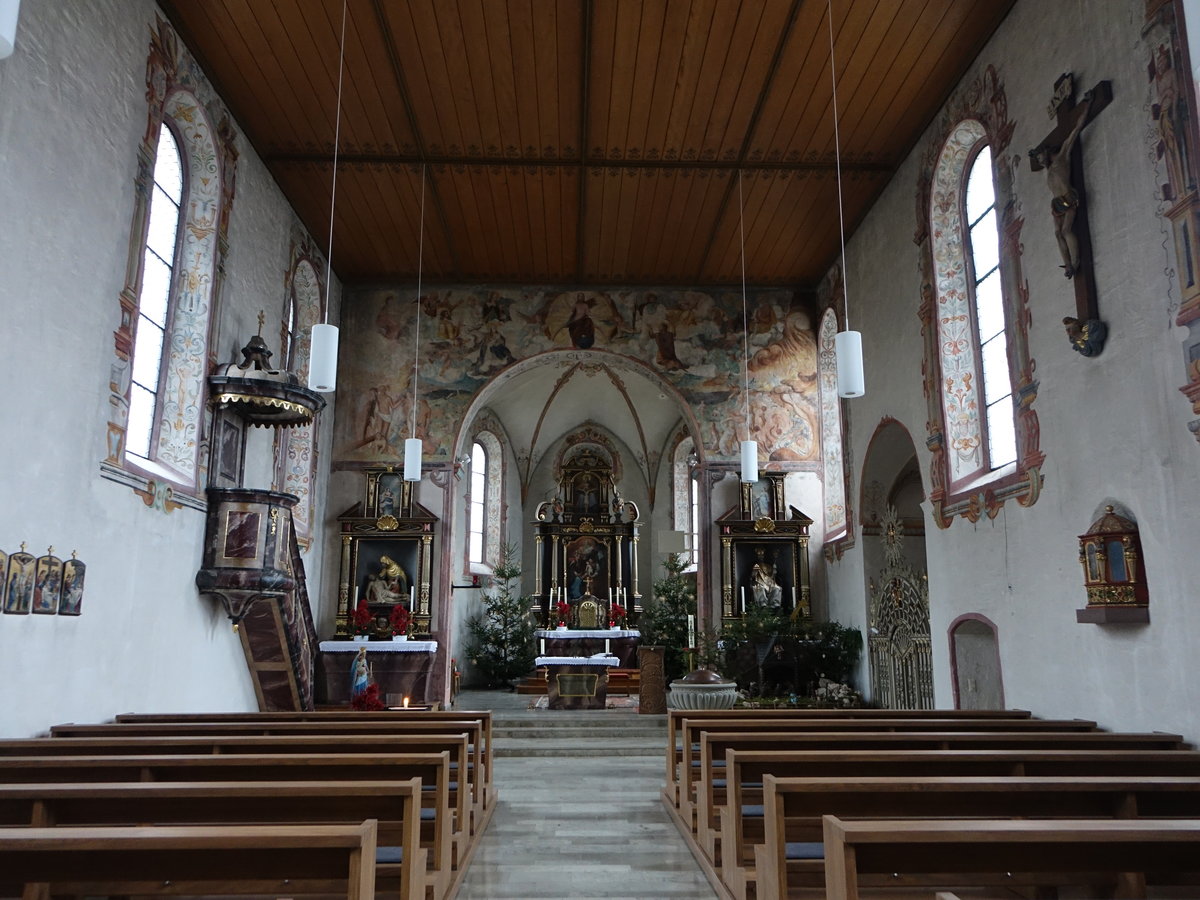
[(692, 338)]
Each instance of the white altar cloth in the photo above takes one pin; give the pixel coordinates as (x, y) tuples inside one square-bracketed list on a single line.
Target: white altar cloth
[(577, 661), (379, 646), (553, 634)]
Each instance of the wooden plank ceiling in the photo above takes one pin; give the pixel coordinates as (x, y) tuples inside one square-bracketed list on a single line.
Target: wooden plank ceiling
[(584, 141)]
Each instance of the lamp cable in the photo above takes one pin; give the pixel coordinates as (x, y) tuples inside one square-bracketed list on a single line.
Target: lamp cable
[(417, 329), (337, 133), (837, 154), (745, 314)]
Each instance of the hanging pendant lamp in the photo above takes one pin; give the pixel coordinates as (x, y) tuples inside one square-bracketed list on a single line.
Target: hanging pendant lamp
[(8, 26), (412, 446), (847, 344), (323, 345), (749, 447)]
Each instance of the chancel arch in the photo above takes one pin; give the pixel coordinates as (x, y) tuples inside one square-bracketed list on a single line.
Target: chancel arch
[(897, 588)]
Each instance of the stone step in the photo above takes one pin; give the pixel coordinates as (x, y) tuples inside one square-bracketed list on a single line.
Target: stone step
[(564, 732), (604, 747)]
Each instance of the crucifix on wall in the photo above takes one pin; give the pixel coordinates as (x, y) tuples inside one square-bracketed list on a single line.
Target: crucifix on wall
[(1061, 157)]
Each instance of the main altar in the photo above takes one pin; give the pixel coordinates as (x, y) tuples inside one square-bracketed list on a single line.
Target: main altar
[(586, 549)]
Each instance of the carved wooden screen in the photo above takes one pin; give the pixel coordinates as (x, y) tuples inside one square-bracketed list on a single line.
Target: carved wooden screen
[(899, 645)]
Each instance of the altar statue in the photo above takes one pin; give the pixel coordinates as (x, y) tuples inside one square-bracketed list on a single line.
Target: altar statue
[(766, 589), (390, 585)]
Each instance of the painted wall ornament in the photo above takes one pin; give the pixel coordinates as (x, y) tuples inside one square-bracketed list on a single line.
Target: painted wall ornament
[(692, 339)]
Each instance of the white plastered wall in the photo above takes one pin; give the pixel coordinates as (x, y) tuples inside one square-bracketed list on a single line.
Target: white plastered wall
[(1112, 427), (72, 114)]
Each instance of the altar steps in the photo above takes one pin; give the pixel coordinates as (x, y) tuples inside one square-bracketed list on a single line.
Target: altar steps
[(561, 733)]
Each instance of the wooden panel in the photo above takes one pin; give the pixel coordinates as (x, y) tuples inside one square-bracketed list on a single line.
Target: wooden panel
[(635, 188)]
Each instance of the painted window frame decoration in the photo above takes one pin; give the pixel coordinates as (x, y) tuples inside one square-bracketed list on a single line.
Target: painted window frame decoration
[(296, 449), (961, 482), (832, 436), (174, 469), (686, 499)]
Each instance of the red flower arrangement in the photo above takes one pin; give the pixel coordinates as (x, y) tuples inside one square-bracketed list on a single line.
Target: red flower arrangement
[(399, 620), (616, 615), (367, 698), (362, 618), (563, 610)]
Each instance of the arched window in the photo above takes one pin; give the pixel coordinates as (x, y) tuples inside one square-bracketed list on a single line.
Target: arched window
[(831, 429), (159, 255), (687, 500), (485, 502), (984, 252), (976, 386), (478, 504)]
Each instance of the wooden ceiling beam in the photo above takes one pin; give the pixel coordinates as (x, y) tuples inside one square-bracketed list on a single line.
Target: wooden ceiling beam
[(389, 44), (400, 159)]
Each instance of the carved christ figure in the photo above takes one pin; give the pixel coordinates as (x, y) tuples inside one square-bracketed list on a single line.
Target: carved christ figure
[(1064, 198)]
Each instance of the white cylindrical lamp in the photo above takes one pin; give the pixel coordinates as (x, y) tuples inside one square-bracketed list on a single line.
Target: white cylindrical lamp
[(412, 459), (848, 350), (750, 461), (322, 357), (8, 26)]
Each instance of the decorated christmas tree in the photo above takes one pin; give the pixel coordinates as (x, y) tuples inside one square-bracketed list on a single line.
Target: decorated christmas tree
[(664, 619), (501, 646)]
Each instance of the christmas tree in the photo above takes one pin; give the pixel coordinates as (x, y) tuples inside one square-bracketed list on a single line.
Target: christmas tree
[(501, 645), (664, 620)]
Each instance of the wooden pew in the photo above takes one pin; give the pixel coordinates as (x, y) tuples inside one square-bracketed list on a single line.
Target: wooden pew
[(692, 731), (124, 744), (675, 717), (795, 807), (484, 716), (397, 722), (396, 805), (714, 744), (747, 770), (443, 830), (957, 852), (278, 860)]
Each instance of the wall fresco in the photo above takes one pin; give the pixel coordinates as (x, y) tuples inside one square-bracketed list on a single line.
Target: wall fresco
[(692, 338)]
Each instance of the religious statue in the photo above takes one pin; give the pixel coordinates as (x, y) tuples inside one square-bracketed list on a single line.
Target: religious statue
[(1064, 198), (765, 588), (390, 585), (360, 673), (1087, 337)]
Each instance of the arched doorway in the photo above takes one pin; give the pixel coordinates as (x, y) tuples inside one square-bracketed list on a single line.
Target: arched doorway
[(900, 653)]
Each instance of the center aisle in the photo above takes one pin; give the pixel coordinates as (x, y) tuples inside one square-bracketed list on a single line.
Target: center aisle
[(580, 813)]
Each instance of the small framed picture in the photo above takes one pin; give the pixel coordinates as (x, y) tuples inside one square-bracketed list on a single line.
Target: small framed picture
[(19, 585), (74, 571), (47, 587)]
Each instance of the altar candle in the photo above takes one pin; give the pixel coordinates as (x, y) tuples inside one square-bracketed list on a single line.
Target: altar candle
[(412, 596), (743, 599), (793, 596), (543, 653), (691, 631), (406, 702), (610, 594), (356, 595)]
